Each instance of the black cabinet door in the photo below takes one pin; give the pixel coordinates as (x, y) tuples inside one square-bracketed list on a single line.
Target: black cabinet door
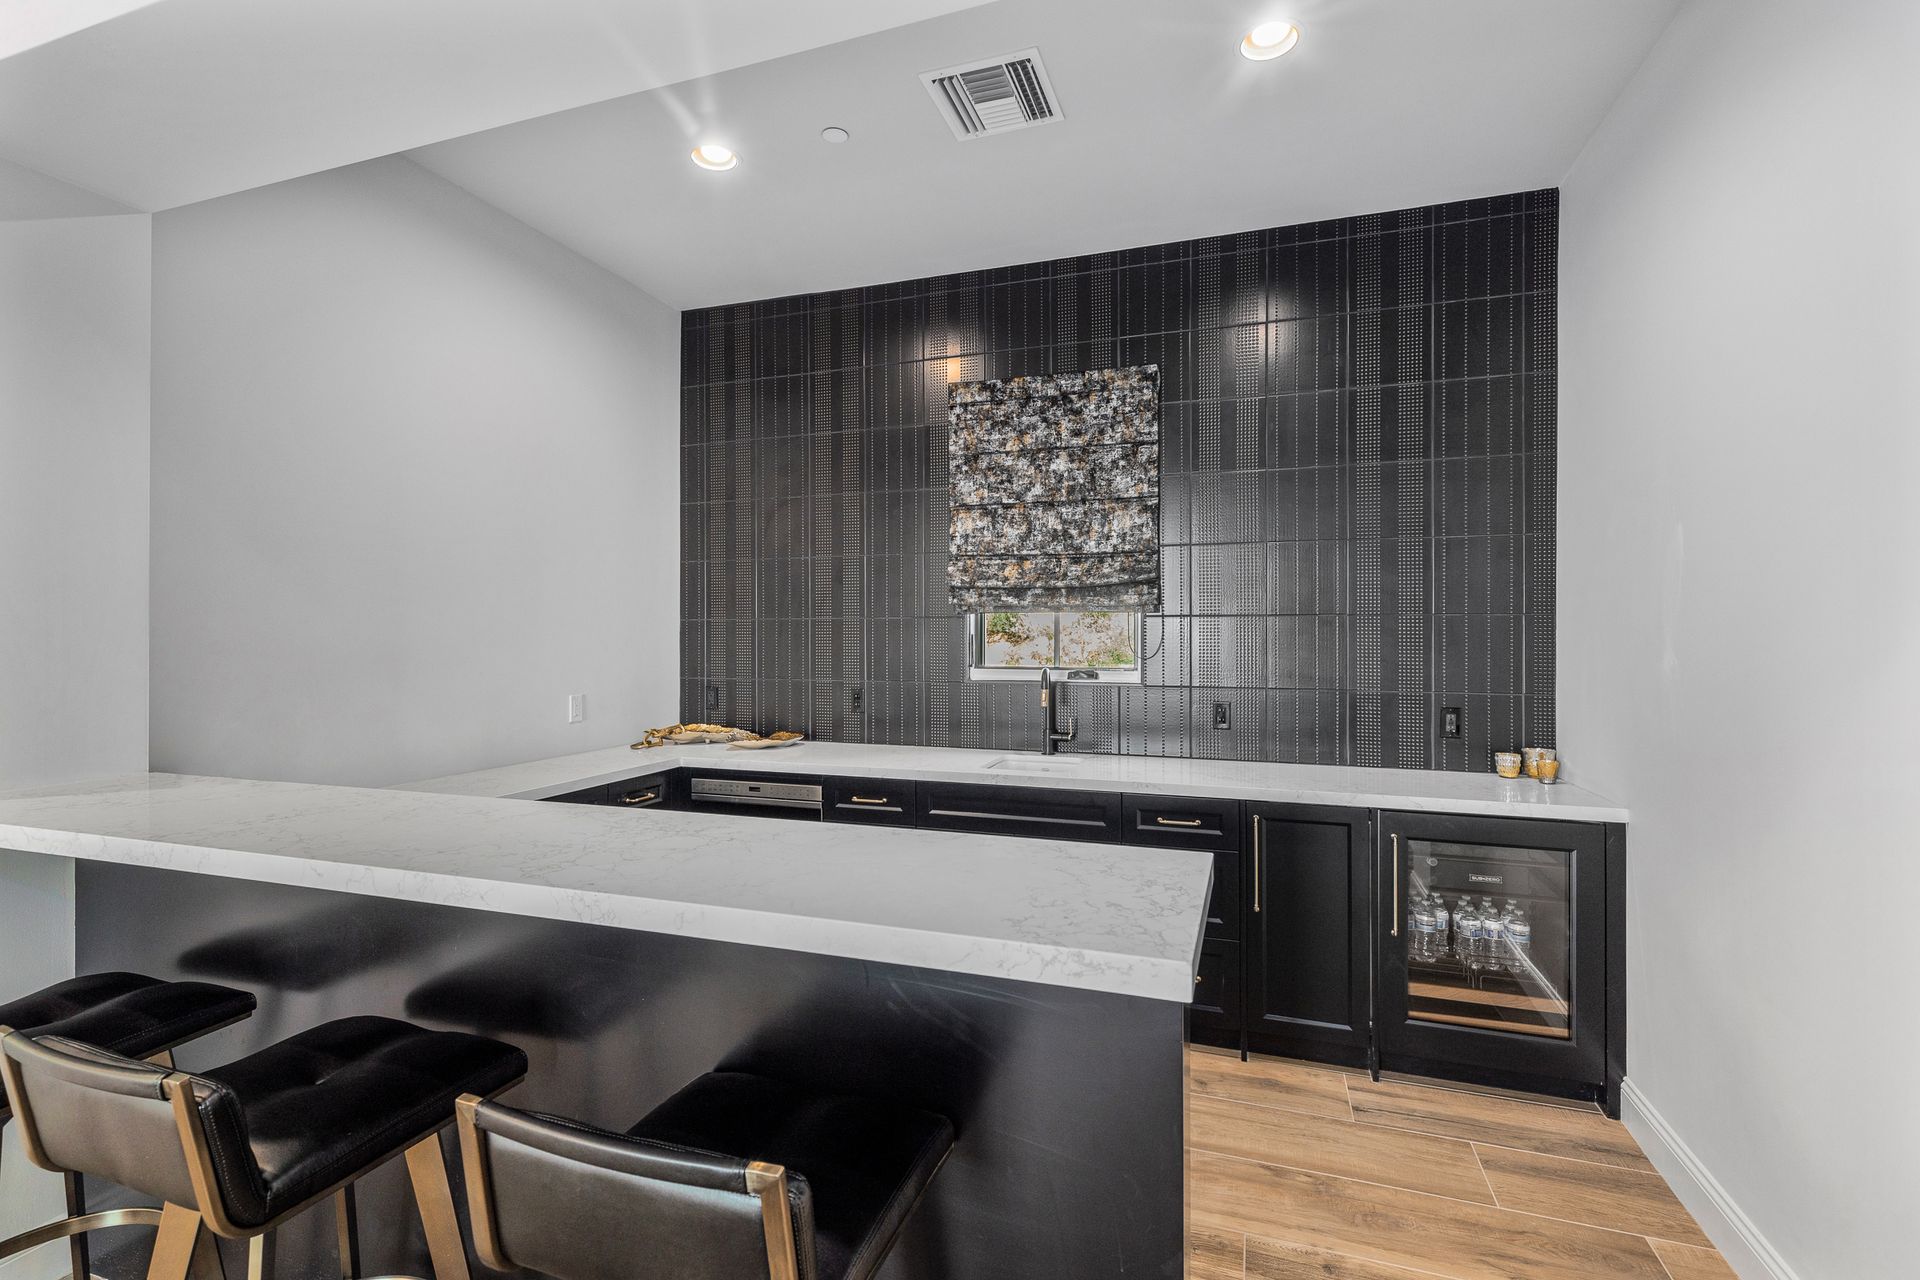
[(1308, 909), (1492, 947)]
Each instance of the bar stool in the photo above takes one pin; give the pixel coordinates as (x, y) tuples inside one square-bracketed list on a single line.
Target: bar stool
[(124, 1013), (737, 1176), (240, 1149)]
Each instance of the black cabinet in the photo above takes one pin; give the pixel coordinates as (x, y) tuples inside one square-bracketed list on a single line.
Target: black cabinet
[(1019, 811), (1309, 899), (638, 793), (870, 801), (1493, 948)]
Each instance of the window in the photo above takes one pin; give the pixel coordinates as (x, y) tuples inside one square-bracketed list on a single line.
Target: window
[(1009, 645)]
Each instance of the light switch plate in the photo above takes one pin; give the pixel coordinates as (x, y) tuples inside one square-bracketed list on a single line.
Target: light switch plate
[(576, 708)]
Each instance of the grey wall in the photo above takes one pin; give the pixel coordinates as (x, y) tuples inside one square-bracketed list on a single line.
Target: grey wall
[(73, 574), (413, 485), (1738, 613), (1357, 492)]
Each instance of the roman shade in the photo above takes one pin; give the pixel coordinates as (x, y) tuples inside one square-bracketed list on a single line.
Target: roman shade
[(1055, 488)]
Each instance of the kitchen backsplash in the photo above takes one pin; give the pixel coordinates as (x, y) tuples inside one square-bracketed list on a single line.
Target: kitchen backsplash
[(1357, 493)]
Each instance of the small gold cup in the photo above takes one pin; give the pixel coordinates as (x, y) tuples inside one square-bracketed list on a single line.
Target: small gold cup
[(1506, 763), (1549, 770), (1531, 757)]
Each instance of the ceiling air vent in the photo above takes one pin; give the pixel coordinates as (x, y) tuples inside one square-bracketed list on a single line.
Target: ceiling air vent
[(995, 96)]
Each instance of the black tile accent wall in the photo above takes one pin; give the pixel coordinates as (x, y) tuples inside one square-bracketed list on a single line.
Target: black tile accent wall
[(1357, 492)]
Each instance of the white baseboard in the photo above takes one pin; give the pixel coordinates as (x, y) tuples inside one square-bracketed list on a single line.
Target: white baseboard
[(1739, 1240)]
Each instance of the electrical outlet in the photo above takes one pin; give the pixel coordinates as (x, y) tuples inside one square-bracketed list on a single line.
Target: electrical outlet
[(1449, 722), (854, 698), (1223, 715), (713, 697)]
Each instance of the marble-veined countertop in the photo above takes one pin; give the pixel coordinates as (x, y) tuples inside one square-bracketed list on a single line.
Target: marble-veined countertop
[(1424, 790), (1125, 920)]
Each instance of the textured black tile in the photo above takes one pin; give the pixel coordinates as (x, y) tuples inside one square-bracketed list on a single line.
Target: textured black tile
[(1246, 710), (1310, 279), (1019, 315), (1095, 712), (1358, 491), (1308, 430), (1479, 338), (1230, 579), (1230, 651), (1305, 651), (1155, 721), (1230, 364), (956, 323), (1230, 287), (1308, 354), (1304, 726)]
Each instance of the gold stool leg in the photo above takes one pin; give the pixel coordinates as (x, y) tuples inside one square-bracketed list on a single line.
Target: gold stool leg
[(346, 1227), (260, 1253), (77, 1251), (427, 1166), (173, 1247)]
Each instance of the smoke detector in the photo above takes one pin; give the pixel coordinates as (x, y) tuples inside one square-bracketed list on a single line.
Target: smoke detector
[(997, 95)]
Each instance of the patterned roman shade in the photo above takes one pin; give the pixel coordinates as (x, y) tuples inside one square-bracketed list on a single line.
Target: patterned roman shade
[(1056, 492)]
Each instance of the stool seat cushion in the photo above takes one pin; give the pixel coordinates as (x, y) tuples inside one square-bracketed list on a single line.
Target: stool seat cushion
[(865, 1162), (292, 1120), (126, 1013)]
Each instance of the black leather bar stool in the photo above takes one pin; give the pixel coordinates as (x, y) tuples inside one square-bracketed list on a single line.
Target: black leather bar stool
[(242, 1148), (736, 1177), (128, 1014)]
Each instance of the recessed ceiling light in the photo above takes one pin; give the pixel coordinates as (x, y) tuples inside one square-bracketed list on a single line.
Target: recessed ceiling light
[(1269, 40), (712, 155), (834, 133)]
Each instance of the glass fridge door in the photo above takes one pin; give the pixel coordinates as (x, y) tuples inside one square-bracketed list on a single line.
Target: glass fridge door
[(1489, 941)]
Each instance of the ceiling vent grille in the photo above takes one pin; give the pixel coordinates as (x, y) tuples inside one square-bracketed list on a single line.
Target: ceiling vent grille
[(994, 96)]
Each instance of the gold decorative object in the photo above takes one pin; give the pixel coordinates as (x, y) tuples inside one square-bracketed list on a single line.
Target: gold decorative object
[(687, 734)]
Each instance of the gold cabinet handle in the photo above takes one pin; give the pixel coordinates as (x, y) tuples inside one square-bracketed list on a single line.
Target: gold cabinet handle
[(1178, 822), (868, 799), (1396, 884), (1256, 864), (645, 797)]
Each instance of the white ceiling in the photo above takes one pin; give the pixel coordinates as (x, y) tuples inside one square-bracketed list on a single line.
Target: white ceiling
[(1167, 134), (167, 103)]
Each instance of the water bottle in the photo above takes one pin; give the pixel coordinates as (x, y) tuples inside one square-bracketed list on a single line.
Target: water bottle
[(1463, 930), (1520, 938), (1489, 935), (1442, 945)]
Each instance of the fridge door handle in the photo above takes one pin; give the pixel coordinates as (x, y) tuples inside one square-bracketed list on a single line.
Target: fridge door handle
[(1396, 884), (1256, 864)]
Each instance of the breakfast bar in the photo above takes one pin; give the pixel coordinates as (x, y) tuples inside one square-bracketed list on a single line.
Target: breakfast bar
[(1032, 992)]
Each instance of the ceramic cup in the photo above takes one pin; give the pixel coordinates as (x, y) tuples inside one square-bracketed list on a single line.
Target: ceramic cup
[(1506, 763), (1549, 769)]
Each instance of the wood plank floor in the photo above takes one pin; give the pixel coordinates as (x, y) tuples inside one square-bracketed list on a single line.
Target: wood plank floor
[(1301, 1172)]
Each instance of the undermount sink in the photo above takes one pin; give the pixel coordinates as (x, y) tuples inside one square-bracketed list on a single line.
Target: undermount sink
[(1034, 764)]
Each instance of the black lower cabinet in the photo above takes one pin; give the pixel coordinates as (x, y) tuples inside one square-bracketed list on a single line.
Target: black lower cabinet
[(1308, 903), (1492, 951)]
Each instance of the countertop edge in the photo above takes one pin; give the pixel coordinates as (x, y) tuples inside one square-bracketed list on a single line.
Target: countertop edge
[(1136, 976)]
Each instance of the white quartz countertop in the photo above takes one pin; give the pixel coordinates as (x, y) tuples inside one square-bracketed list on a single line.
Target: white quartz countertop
[(1395, 789), (1100, 917)]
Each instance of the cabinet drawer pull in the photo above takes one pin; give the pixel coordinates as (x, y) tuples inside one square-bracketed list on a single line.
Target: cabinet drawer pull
[(868, 799), (1178, 822), (645, 797)]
